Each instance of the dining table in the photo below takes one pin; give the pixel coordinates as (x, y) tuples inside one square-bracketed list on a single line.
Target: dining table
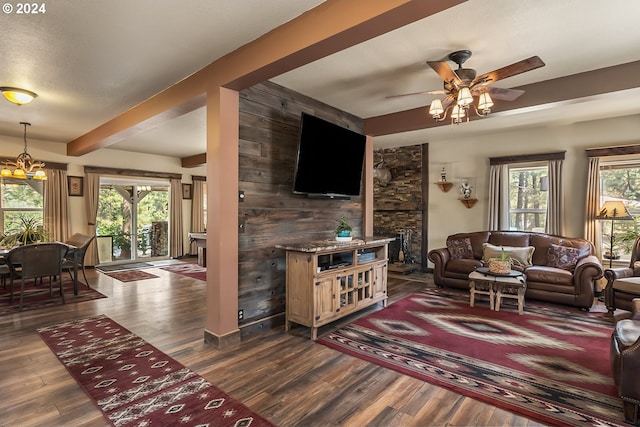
[(71, 251)]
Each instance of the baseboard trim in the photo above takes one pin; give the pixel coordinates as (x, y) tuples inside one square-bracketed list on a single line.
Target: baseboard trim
[(222, 341), (261, 325)]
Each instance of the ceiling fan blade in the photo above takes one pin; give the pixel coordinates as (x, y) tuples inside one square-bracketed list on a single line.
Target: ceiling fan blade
[(448, 100), (426, 92), (444, 70), (498, 93), (510, 70)]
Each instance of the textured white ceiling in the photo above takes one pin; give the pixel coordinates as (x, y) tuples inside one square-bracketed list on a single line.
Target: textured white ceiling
[(91, 60)]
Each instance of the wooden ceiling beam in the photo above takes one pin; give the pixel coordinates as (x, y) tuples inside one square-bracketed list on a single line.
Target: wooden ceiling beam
[(330, 27), (194, 161)]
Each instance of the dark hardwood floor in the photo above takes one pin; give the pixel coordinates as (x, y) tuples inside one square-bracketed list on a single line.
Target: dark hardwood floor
[(286, 377)]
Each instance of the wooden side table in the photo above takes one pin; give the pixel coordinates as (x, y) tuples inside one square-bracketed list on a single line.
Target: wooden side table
[(511, 290), (480, 285)]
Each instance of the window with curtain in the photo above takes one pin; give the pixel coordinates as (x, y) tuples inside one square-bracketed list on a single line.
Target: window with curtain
[(620, 180), (528, 190), (19, 198), (522, 198)]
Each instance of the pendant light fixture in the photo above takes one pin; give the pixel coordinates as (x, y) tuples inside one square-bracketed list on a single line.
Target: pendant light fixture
[(24, 166)]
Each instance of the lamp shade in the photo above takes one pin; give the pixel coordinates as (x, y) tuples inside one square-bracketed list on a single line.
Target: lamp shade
[(614, 209), (436, 108), (464, 97), (485, 102), (457, 113)]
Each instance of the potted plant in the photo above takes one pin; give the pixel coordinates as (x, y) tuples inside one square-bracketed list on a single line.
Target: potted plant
[(501, 265), (29, 231), (123, 241), (343, 230)]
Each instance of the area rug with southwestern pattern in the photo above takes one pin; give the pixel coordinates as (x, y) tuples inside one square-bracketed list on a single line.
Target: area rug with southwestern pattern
[(550, 364), (190, 270), (37, 295), (135, 384)]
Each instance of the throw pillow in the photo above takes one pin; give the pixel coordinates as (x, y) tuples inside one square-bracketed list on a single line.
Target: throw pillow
[(520, 256), (460, 248), (564, 257)]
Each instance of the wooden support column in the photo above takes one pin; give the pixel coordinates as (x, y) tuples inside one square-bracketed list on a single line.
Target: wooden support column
[(223, 112)]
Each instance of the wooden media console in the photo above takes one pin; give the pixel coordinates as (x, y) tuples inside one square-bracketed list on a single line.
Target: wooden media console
[(327, 280)]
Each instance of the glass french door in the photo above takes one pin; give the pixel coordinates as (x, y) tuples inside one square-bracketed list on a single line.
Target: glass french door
[(133, 219)]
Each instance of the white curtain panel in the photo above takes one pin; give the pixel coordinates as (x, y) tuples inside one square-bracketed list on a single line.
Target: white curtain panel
[(592, 226), (555, 199), (498, 197), (175, 216), (197, 212), (91, 197), (56, 204)]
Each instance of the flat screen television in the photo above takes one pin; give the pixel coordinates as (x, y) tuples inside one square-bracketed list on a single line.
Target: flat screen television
[(330, 159)]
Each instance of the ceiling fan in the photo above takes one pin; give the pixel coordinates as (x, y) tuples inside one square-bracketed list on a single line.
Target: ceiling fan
[(462, 84)]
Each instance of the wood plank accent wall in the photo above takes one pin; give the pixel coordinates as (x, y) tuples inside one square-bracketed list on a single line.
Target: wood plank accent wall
[(270, 213), (399, 205)]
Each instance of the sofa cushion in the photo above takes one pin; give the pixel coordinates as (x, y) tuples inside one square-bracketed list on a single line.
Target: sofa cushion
[(564, 257), (463, 266), (477, 239), (520, 256), (550, 275), (542, 242), (630, 285), (460, 248), (509, 238)]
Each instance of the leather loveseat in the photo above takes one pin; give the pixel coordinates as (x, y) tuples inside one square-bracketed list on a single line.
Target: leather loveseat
[(623, 283), (559, 269), (625, 361)]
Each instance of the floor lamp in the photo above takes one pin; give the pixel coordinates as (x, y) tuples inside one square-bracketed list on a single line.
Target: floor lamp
[(613, 209)]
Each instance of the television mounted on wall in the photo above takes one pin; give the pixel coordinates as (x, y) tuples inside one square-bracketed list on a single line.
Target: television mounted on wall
[(329, 161)]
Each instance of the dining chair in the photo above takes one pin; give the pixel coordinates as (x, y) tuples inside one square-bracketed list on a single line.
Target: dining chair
[(4, 274), (34, 261), (81, 242)]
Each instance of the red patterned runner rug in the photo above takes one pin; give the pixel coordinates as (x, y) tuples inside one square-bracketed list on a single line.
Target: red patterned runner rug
[(130, 275), (135, 384), (189, 270), (550, 364)]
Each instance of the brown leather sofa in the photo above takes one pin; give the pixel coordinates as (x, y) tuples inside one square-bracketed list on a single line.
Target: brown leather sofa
[(625, 362), (570, 285), (623, 283)]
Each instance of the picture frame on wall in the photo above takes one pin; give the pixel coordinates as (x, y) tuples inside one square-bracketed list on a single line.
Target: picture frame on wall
[(186, 191), (75, 185)]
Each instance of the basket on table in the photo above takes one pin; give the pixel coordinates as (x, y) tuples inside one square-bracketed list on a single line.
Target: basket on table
[(498, 266)]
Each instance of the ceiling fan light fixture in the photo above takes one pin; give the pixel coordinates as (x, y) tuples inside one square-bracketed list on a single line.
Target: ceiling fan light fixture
[(17, 96), (464, 97), (457, 114), (436, 109), (485, 103)]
